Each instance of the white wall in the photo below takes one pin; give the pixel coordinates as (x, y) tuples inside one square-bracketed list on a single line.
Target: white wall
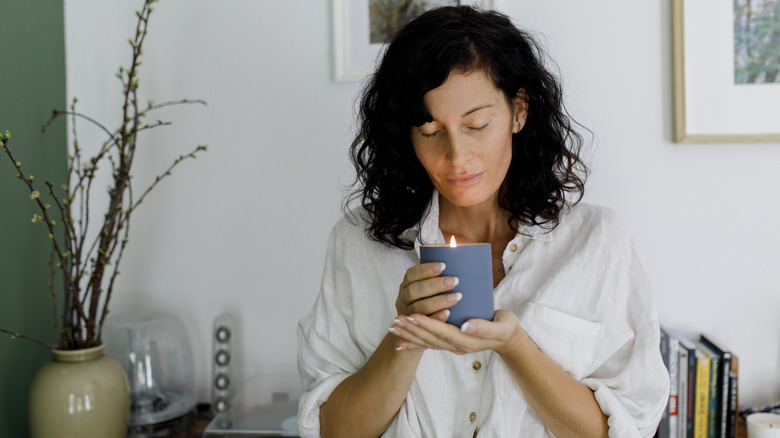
[(243, 228)]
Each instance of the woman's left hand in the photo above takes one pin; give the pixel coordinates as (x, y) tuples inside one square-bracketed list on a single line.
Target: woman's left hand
[(475, 335)]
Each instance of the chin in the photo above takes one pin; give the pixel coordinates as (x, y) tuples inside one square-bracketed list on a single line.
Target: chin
[(466, 199)]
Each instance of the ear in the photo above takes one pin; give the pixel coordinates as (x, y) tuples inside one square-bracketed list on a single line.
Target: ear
[(519, 110)]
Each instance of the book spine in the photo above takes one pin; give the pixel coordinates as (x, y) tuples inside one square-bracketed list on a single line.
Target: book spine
[(700, 419), (682, 394), (733, 398), (674, 381), (693, 365), (723, 410), (713, 418), (663, 426)]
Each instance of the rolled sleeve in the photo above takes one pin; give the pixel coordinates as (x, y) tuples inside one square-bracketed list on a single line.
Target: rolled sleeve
[(309, 406), (322, 364), (327, 350), (633, 390)]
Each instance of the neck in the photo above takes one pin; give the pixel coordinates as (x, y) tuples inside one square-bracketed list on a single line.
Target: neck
[(481, 223)]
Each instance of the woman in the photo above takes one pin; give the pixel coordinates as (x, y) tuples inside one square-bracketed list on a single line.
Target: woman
[(463, 134)]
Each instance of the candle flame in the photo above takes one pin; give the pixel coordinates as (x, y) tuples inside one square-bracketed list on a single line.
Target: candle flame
[(452, 242)]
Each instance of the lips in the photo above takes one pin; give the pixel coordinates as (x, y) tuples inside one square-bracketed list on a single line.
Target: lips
[(465, 180)]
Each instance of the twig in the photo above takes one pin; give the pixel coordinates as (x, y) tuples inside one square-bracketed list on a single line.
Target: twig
[(15, 335), (153, 106), (57, 113), (161, 176)]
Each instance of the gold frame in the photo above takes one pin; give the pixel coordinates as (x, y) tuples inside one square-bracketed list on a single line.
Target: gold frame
[(678, 90)]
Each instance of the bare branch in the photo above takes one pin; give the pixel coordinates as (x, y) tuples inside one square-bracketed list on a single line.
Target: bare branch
[(15, 335)]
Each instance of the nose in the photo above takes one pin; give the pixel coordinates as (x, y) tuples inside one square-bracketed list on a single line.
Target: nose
[(458, 149)]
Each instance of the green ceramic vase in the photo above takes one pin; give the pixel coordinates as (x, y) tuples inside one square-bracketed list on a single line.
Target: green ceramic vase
[(81, 393)]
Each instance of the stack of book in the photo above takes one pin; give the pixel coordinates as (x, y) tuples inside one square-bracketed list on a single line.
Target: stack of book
[(703, 391)]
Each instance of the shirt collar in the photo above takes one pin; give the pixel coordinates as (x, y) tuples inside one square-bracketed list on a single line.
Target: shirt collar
[(427, 231)]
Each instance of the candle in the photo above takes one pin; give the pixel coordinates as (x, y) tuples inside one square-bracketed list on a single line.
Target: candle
[(763, 425), (473, 265)]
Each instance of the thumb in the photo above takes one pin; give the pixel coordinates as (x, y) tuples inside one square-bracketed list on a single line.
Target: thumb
[(470, 327), (486, 329)]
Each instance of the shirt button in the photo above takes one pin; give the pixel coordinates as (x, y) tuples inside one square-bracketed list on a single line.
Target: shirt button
[(513, 247), (476, 365), (473, 417)]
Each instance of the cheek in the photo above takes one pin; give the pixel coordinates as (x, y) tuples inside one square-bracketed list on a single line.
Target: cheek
[(426, 158), (418, 152), (501, 152)]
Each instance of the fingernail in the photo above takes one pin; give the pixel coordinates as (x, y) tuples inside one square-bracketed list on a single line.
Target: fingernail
[(454, 298), (451, 281), (393, 330), (400, 348), (446, 314), (411, 320), (439, 268), (398, 321), (467, 328)]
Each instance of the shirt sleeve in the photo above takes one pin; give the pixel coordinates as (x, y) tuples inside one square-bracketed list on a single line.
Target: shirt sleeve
[(327, 352), (631, 384), (637, 392)]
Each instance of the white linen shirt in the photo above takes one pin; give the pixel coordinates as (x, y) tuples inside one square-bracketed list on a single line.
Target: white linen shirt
[(579, 291)]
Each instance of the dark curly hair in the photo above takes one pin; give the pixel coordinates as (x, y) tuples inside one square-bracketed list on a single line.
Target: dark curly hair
[(546, 171)]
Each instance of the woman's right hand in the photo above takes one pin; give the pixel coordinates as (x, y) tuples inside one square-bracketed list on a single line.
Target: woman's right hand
[(420, 289)]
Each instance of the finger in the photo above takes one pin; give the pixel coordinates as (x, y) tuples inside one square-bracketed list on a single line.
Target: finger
[(503, 324), (441, 315), (434, 304), (470, 327), (429, 287), (434, 333), (404, 331), (401, 343), (421, 281), (404, 345), (422, 271)]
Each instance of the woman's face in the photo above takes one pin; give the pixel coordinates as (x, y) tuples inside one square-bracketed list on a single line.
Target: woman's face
[(467, 148)]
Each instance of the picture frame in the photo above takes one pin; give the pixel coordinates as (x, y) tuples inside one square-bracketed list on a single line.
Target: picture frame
[(354, 55), (712, 100)]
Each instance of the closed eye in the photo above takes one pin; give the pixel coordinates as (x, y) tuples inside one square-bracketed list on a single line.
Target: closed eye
[(478, 128), (432, 134)]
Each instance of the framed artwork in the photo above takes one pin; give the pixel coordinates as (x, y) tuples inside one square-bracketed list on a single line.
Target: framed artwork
[(361, 27), (726, 70)]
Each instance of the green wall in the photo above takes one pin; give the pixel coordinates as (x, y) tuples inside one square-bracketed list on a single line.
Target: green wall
[(32, 84)]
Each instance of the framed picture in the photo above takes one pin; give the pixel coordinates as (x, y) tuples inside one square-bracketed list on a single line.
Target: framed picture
[(361, 27), (726, 70)]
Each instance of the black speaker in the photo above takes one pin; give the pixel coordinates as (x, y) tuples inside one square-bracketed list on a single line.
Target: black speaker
[(223, 362)]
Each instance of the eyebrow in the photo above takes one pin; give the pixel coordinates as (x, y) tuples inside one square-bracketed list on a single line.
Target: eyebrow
[(471, 111), (475, 109)]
